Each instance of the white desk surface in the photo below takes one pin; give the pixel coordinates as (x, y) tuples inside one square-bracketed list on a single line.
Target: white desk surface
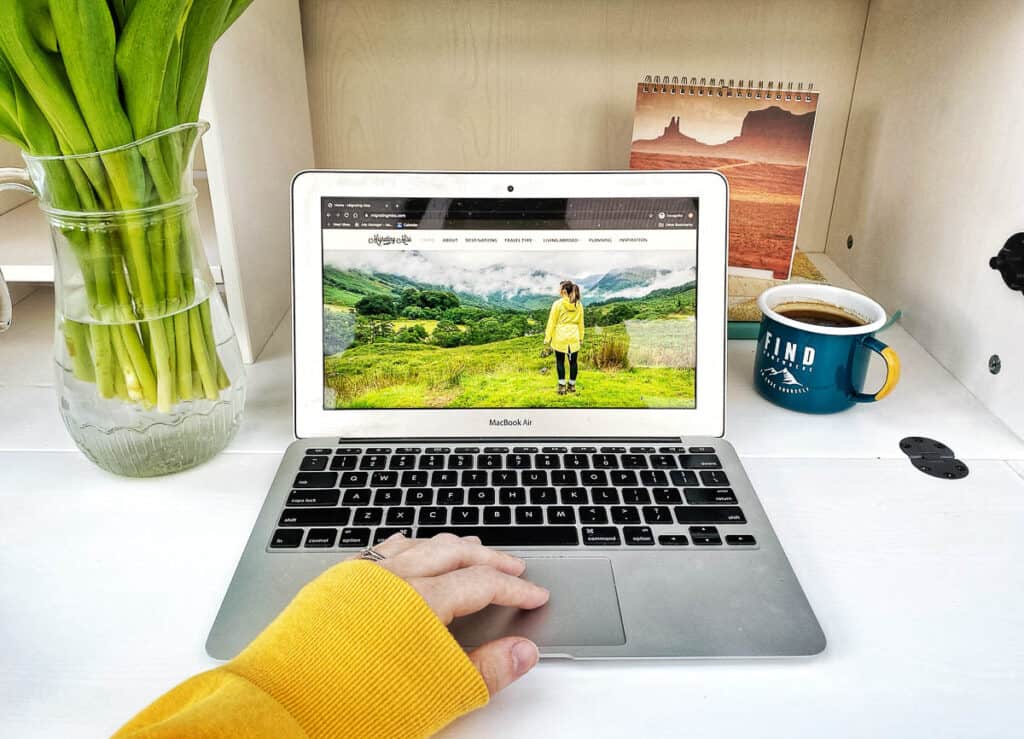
[(109, 585)]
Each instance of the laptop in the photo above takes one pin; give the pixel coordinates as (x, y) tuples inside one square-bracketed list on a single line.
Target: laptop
[(444, 382)]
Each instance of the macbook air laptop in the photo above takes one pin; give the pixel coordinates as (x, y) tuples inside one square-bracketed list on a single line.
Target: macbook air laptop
[(445, 383)]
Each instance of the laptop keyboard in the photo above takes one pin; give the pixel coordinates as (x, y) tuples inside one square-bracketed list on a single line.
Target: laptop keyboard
[(521, 496)]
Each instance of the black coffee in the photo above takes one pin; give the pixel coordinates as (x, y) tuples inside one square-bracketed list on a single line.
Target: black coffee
[(820, 314)]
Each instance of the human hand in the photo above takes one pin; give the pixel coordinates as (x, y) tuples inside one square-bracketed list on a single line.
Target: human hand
[(545, 352), (457, 576)]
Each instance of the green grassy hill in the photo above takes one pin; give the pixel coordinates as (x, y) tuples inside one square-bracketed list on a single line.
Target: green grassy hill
[(507, 374)]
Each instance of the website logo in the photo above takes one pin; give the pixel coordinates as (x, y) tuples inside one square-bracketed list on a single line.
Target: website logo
[(382, 240)]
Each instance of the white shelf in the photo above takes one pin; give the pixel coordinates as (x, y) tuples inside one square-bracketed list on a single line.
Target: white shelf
[(25, 254)]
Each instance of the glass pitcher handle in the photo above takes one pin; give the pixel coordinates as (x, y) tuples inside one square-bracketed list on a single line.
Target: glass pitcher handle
[(11, 178)]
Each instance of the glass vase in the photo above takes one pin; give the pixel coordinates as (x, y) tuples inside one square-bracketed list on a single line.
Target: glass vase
[(148, 371)]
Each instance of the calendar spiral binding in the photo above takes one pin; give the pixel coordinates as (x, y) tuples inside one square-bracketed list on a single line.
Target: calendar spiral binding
[(720, 87)]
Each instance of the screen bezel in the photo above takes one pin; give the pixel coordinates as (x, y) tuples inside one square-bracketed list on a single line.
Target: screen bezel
[(706, 419)]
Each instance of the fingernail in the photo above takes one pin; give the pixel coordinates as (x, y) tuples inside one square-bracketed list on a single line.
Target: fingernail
[(524, 656)]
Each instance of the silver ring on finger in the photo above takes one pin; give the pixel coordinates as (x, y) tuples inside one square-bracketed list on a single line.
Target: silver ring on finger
[(371, 555)]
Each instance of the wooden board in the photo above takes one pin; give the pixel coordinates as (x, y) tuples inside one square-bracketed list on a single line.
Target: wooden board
[(931, 183), (395, 84)]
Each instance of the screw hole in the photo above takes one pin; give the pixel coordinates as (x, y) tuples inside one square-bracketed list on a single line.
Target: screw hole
[(849, 241), (995, 364)]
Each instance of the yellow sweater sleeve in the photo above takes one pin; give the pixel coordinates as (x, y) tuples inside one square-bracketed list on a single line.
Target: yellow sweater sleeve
[(549, 332), (579, 320), (357, 653)]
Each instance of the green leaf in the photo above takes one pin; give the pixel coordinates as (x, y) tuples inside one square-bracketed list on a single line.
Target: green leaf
[(237, 8), (143, 52), (85, 33), (202, 28), (44, 77)]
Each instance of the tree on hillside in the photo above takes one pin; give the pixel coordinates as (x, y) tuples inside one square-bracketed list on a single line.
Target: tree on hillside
[(413, 334), (446, 334), (414, 311), (438, 300), (372, 330), (376, 305), (616, 314), (409, 296)]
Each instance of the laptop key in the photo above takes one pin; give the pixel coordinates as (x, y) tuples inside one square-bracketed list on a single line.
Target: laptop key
[(518, 461), (634, 461), (467, 450), (512, 536), (709, 496), (465, 516), (707, 540), (605, 461), (525, 449), (564, 477), (314, 464), (740, 540), (481, 496), (535, 477), (705, 536), (316, 480), (402, 462), (419, 496), (512, 496), (547, 461), (576, 461), (347, 450), (414, 479), (388, 497), (526, 515), (657, 514), (638, 536), (584, 450), (561, 514), (377, 450), (663, 462), (673, 540), (672, 449), (437, 450), (356, 496), (709, 514), (684, 478), (490, 461), (543, 496), (400, 516), (383, 479), (321, 538), (594, 477), (354, 538), (554, 450), (373, 462), (574, 496), (313, 498), (623, 477), (500, 478), (433, 516), (474, 477), (653, 478), (604, 496), (450, 496), (642, 450), (499, 515), (431, 462), (319, 451), (593, 514), (667, 495), (444, 479), (701, 450), (601, 536), (314, 517), (613, 450), (387, 532), (714, 478), (368, 516), (495, 450), (286, 539), (635, 495), (352, 479), (699, 462), (408, 450), (460, 461), (625, 514), (347, 462)]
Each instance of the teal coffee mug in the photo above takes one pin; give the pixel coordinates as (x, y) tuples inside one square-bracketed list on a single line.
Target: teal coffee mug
[(814, 345)]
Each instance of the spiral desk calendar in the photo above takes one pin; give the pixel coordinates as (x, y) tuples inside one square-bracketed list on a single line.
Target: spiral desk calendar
[(757, 136)]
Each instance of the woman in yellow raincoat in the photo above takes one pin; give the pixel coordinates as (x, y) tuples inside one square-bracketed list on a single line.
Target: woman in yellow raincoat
[(564, 333)]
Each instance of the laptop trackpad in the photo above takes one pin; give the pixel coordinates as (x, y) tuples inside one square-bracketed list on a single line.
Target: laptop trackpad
[(583, 610)]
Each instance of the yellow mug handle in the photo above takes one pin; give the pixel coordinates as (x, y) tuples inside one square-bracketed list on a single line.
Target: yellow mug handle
[(892, 370)]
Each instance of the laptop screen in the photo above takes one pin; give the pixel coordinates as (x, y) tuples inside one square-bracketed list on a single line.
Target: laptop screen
[(509, 302)]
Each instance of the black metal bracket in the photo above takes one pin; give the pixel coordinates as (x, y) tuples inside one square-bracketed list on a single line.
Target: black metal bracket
[(1009, 262), (933, 458)]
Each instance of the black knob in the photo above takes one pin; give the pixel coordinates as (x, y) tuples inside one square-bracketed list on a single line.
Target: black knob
[(1009, 262)]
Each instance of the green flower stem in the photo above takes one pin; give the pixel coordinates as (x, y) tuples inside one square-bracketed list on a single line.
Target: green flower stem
[(207, 373), (76, 339), (183, 339), (102, 359), (127, 375)]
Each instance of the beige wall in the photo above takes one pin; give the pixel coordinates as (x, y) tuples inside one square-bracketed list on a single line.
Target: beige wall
[(550, 85), (11, 157)]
